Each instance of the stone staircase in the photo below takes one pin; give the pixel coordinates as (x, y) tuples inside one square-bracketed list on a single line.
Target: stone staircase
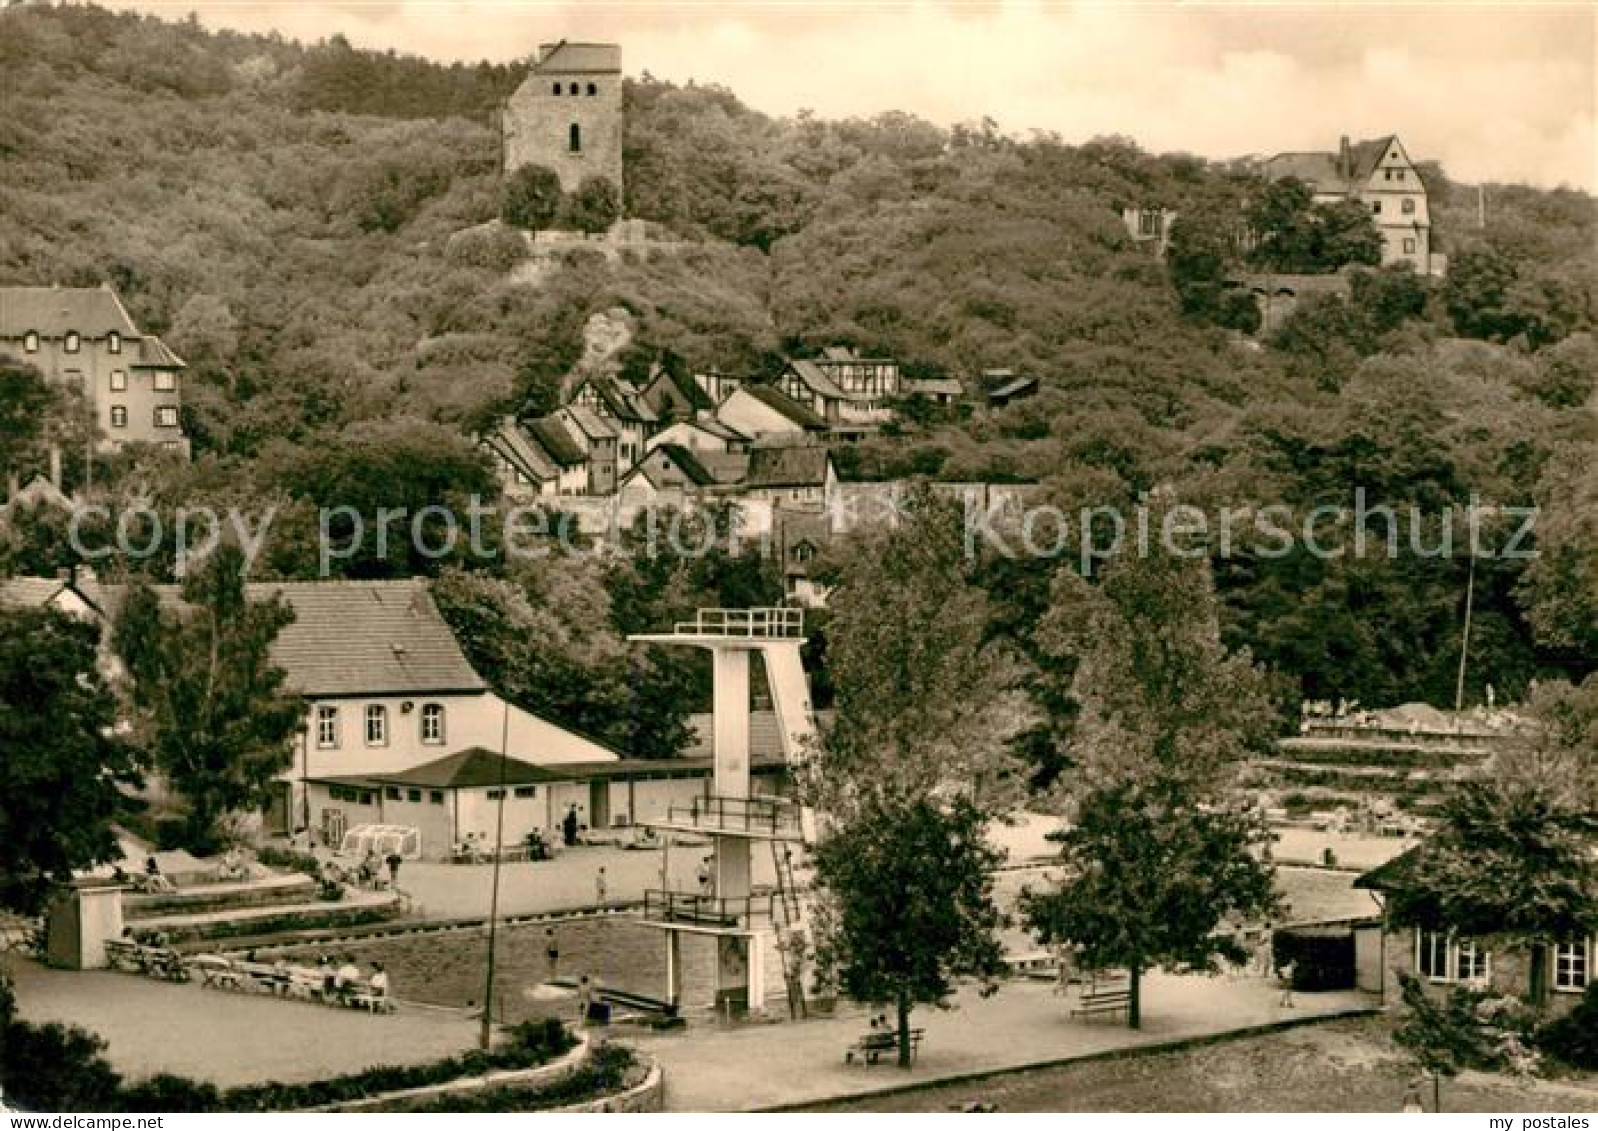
[(197, 917)]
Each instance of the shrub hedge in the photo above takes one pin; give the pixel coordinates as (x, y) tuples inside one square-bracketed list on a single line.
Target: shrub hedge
[(55, 1068), (605, 1073), (1573, 1038)]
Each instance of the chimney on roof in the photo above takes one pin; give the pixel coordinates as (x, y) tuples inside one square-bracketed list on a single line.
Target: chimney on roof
[(1345, 158)]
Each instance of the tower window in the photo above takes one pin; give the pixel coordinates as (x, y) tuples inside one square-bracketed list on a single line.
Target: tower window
[(572, 89), (72, 341), (119, 416), (592, 90), (574, 138), (555, 89), (113, 342), (1408, 206), (119, 380), (30, 341)]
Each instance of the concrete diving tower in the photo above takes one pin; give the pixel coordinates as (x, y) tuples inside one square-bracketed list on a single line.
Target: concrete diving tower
[(732, 817)]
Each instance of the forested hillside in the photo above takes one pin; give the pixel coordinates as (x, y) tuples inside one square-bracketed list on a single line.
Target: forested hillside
[(282, 215)]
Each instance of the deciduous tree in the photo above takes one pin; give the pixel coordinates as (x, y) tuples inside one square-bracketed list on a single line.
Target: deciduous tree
[(531, 198), (211, 706), (594, 206), (908, 905), (923, 697), (1151, 872), (63, 768)]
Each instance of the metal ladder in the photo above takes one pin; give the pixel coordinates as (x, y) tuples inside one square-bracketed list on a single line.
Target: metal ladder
[(790, 932)]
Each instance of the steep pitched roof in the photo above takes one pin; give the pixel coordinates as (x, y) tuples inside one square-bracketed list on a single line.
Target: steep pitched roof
[(727, 467), (1394, 873), (1318, 169), (93, 312), (688, 464), (38, 592), (153, 354), (788, 466), (472, 768), (623, 403), (366, 638), (696, 397), (566, 57), (1367, 155), (780, 402), (352, 637), (815, 380), (551, 435), (590, 423), (28, 592), (719, 430), (512, 443), (1325, 171)]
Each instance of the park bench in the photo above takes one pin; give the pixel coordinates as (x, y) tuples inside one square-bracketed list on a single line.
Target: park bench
[(1103, 997), (872, 1046), (259, 977)]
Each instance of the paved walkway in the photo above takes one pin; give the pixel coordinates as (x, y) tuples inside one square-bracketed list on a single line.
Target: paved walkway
[(230, 1038), (779, 1064)]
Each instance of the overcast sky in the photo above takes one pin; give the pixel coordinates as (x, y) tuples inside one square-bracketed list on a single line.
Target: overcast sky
[(1495, 92)]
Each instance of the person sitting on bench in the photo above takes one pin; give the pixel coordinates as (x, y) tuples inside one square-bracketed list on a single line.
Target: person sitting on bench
[(153, 879), (347, 979), (378, 983)]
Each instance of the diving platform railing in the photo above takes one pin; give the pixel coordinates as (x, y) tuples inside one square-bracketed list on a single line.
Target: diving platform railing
[(693, 911), (762, 818), (776, 623)]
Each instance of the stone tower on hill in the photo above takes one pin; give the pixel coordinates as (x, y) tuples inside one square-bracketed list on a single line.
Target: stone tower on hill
[(567, 115)]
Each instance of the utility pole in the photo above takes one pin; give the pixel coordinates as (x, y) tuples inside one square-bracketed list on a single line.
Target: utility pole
[(1464, 644), (485, 1037)]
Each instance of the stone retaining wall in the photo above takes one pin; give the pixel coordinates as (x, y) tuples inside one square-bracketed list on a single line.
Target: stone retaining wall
[(646, 1096), (541, 1076)]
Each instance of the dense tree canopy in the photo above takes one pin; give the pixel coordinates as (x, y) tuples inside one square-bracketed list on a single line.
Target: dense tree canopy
[(62, 774), (330, 275)]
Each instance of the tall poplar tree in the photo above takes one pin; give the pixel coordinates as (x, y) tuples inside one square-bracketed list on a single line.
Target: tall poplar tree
[(210, 705)]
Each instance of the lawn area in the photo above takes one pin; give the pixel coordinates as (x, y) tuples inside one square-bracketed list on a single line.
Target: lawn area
[(1339, 1066)]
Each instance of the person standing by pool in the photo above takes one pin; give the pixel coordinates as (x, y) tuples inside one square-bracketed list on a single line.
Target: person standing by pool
[(585, 999), (601, 886), (552, 952)]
